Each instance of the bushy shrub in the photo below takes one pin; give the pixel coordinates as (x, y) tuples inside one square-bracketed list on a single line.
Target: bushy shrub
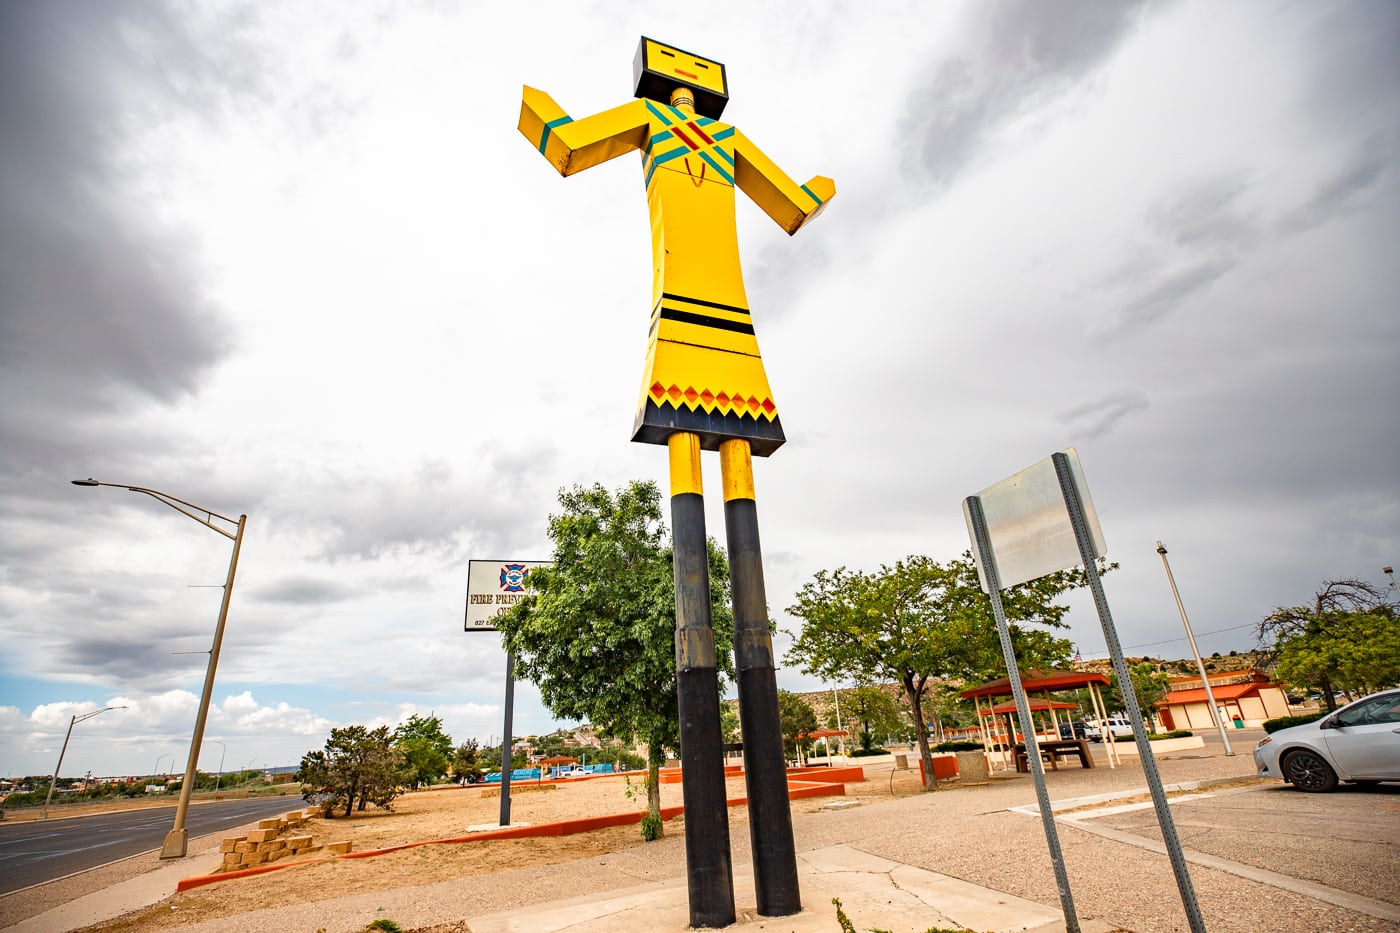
[(867, 752), (958, 746), (651, 827), (27, 799), (1283, 722)]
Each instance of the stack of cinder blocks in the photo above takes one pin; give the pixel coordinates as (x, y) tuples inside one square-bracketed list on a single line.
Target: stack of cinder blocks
[(268, 844)]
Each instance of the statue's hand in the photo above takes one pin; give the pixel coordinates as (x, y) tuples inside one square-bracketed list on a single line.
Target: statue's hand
[(821, 186), (539, 115)]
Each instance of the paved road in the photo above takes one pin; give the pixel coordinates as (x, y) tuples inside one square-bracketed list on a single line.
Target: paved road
[(32, 853)]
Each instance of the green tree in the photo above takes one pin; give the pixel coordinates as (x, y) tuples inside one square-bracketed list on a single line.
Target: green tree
[(730, 727), (426, 749), (358, 765), (466, 761), (875, 710), (1356, 652), (946, 709), (1348, 639), (798, 721), (596, 631), (921, 620)]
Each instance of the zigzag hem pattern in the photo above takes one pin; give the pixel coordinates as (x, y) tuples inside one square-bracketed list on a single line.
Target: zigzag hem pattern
[(655, 423)]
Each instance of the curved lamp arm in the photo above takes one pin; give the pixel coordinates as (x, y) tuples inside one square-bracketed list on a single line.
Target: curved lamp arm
[(179, 505)]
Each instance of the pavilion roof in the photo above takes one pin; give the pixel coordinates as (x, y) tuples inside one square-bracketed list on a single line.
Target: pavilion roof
[(1036, 706), (1038, 681), (824, 733), (1223, 692)]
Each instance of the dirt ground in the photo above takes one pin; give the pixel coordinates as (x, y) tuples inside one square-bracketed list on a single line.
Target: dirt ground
[(446, 813)]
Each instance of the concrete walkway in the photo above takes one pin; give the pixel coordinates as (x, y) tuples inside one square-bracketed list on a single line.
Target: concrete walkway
[(873, 892)]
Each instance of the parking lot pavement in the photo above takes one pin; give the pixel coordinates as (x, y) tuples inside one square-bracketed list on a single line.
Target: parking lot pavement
[(1347, 842)]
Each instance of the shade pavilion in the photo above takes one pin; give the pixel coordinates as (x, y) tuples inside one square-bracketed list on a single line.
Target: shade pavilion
[(1042, 683)]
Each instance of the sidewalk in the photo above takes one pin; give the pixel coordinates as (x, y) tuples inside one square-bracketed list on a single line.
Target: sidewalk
[(874, 892)]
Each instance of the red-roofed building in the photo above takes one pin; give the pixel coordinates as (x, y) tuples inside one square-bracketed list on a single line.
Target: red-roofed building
[(1247, 697)]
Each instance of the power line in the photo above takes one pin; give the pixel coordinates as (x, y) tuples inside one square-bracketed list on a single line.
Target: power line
[(1170, 641)]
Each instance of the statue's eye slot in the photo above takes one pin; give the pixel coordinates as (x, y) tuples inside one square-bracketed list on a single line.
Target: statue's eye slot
[(664, 52), (701, 65)]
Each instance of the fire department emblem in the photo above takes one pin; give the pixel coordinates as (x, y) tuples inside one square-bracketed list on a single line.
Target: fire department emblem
[(513, 577)]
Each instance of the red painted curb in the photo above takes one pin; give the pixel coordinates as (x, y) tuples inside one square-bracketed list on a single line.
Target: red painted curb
[(797, 789)]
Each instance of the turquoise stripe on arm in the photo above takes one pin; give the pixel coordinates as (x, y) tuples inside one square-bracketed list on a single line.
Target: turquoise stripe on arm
[(549, 127), (811, 195), (727, 156), (725, 133)]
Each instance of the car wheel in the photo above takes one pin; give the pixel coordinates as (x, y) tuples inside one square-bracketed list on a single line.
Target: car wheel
[(1308, 772)]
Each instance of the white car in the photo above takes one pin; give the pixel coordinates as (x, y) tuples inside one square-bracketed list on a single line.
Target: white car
[(1117, 726), (1359, 744)]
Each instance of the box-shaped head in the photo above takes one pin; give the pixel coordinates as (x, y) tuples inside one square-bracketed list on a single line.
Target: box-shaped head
[(660, 68)]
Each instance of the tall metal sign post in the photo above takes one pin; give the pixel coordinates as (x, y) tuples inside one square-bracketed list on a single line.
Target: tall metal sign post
[(493, 586), (1035, 523), (704, 388)]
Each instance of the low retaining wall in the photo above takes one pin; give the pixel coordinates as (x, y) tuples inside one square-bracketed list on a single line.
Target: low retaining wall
[(269, 843), (1159, 746), (945, 766)]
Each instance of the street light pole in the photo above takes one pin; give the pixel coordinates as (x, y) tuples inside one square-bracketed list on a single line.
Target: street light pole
[(1200, 665), (58, 767), (224, 751), (177, 840)]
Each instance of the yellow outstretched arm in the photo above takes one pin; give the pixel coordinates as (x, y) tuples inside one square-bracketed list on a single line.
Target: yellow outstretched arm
[(789, 204), (573, 145)]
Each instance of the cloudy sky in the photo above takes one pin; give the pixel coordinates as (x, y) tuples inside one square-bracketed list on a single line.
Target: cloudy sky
[(295, 261)]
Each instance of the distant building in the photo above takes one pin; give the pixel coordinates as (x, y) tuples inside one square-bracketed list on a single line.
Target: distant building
[(1246, 697)]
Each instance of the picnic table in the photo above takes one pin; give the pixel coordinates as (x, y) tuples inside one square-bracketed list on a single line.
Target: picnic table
[(1051, 750)]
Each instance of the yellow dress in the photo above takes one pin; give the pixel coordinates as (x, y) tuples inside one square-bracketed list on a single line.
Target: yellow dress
[(703, 373)]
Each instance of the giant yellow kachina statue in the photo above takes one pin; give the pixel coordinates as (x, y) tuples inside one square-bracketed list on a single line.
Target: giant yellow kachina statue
[(704, 388), (703, 371)]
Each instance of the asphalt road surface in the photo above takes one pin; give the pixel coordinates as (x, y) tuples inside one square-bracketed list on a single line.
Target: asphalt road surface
[(35, 852)]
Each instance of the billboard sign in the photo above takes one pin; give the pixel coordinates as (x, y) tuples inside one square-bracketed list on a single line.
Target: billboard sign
[(493, 586)]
